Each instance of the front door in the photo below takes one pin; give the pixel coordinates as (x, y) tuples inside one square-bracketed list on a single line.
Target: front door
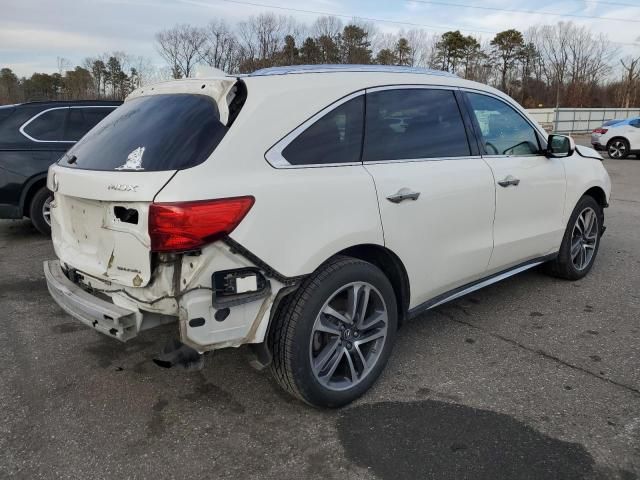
[(530, 188), (435, 193)]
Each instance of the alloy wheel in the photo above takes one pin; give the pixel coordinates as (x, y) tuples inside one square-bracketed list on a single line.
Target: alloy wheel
[(617, 149), (584, 238), (348, 336), (46, 210)]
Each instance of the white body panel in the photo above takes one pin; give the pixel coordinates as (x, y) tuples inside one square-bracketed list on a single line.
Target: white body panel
[(529, 217)]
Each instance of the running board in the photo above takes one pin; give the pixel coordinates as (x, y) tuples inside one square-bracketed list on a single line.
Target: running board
[(477, 285)]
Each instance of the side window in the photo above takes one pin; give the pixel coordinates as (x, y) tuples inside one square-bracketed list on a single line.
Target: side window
[(413, 123), (75, 125), (93, 116), (635, 123), (81, 120), (334, 138), (49, 126), (504, 131)]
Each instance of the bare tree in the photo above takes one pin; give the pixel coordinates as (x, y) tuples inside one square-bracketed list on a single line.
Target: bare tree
[(181, 47), (221, 50), (329, 26), (630, 79)]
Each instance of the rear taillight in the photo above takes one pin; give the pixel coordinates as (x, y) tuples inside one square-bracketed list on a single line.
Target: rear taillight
[(182, 226), (600, 130)]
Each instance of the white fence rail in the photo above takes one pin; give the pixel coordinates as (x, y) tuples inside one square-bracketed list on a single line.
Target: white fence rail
[(578, 120)]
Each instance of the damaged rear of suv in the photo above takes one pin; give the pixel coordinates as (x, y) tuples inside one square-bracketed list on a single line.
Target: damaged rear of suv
[(168, 212)]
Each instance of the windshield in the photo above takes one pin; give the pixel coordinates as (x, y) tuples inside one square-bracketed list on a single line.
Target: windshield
[(154, 133)]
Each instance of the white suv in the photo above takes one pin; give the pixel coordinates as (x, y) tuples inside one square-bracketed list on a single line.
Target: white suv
[(620, 138), (309, 211)]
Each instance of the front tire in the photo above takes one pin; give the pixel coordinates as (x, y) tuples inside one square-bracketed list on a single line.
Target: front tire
[(333, 336), (40, 211), (581, 241)]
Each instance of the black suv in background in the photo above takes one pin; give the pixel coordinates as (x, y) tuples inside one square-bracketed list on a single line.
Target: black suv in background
[(32, 137)]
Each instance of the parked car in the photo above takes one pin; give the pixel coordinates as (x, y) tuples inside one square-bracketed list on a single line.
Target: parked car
[(291, 210), (620, 138), (33, 136)]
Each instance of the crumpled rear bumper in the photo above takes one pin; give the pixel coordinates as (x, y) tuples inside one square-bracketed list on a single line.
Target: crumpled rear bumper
[(103, 316)]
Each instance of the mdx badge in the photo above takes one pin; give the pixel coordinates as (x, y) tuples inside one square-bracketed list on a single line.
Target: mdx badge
[(121, 187)]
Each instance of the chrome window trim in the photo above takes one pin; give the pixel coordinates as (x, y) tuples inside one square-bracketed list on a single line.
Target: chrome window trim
[(424, 159), (274, 154), (412, 86), (25, 124)]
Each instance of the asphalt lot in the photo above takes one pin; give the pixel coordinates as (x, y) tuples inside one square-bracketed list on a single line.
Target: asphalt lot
[(530, 378)]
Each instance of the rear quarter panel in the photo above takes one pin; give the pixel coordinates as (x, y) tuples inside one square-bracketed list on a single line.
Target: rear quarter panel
[(301, 216)]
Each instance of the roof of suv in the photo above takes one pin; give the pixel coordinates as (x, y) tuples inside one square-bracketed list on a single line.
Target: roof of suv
[(66, 103), (330, 68)]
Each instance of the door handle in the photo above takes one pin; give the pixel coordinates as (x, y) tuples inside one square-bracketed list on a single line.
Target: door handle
[(509, 181), (402, 195)]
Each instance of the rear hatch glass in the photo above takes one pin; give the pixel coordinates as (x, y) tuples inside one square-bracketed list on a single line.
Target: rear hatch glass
[(152, 133)]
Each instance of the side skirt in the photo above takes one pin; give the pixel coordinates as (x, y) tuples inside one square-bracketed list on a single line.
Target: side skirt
[(477, 285)]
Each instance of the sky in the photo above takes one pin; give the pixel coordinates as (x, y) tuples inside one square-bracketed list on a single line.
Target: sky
[(33, 33)]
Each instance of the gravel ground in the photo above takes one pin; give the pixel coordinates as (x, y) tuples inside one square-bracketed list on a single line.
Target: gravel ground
[(530, 378)]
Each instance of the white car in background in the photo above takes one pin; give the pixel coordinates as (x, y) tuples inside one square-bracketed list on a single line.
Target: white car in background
[(309, 211), (620, 138)]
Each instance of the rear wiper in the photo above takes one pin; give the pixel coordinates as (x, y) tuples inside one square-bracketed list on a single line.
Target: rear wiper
[(72, 159)]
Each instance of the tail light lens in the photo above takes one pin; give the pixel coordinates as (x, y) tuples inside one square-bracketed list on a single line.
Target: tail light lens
[(183, 226), (600, 130)]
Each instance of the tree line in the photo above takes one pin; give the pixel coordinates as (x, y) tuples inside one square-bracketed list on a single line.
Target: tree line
[(562, 64), (110, 76)]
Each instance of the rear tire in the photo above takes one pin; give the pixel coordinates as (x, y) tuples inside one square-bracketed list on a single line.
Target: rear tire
[(618, 148), (581, 241), (39, 211), (330, 359)]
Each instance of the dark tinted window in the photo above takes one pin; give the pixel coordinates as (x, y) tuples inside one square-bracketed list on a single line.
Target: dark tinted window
[(48, 126), (81, 120), (504, 131), (413, 123), (635, 123), (334, 138), (159, 132)]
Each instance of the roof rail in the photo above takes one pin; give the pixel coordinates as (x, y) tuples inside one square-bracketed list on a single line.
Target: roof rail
[(330, 68)]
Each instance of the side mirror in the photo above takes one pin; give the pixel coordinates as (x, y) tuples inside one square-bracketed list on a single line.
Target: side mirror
[(560, 146)]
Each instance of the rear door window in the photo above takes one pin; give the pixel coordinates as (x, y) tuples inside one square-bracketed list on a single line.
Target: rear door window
[(413, 123), (154, 133), (334, 138), (48, 126)]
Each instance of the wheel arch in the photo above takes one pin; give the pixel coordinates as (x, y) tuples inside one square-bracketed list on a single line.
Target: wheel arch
[(391, 265), (598, 194), (618, 137), (31, 187)]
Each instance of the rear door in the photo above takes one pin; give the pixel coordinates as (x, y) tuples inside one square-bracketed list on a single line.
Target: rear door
[(530, 188), (435, 193)]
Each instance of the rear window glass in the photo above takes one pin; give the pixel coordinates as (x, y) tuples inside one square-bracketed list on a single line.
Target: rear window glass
[(159, 132), (334, 138)]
